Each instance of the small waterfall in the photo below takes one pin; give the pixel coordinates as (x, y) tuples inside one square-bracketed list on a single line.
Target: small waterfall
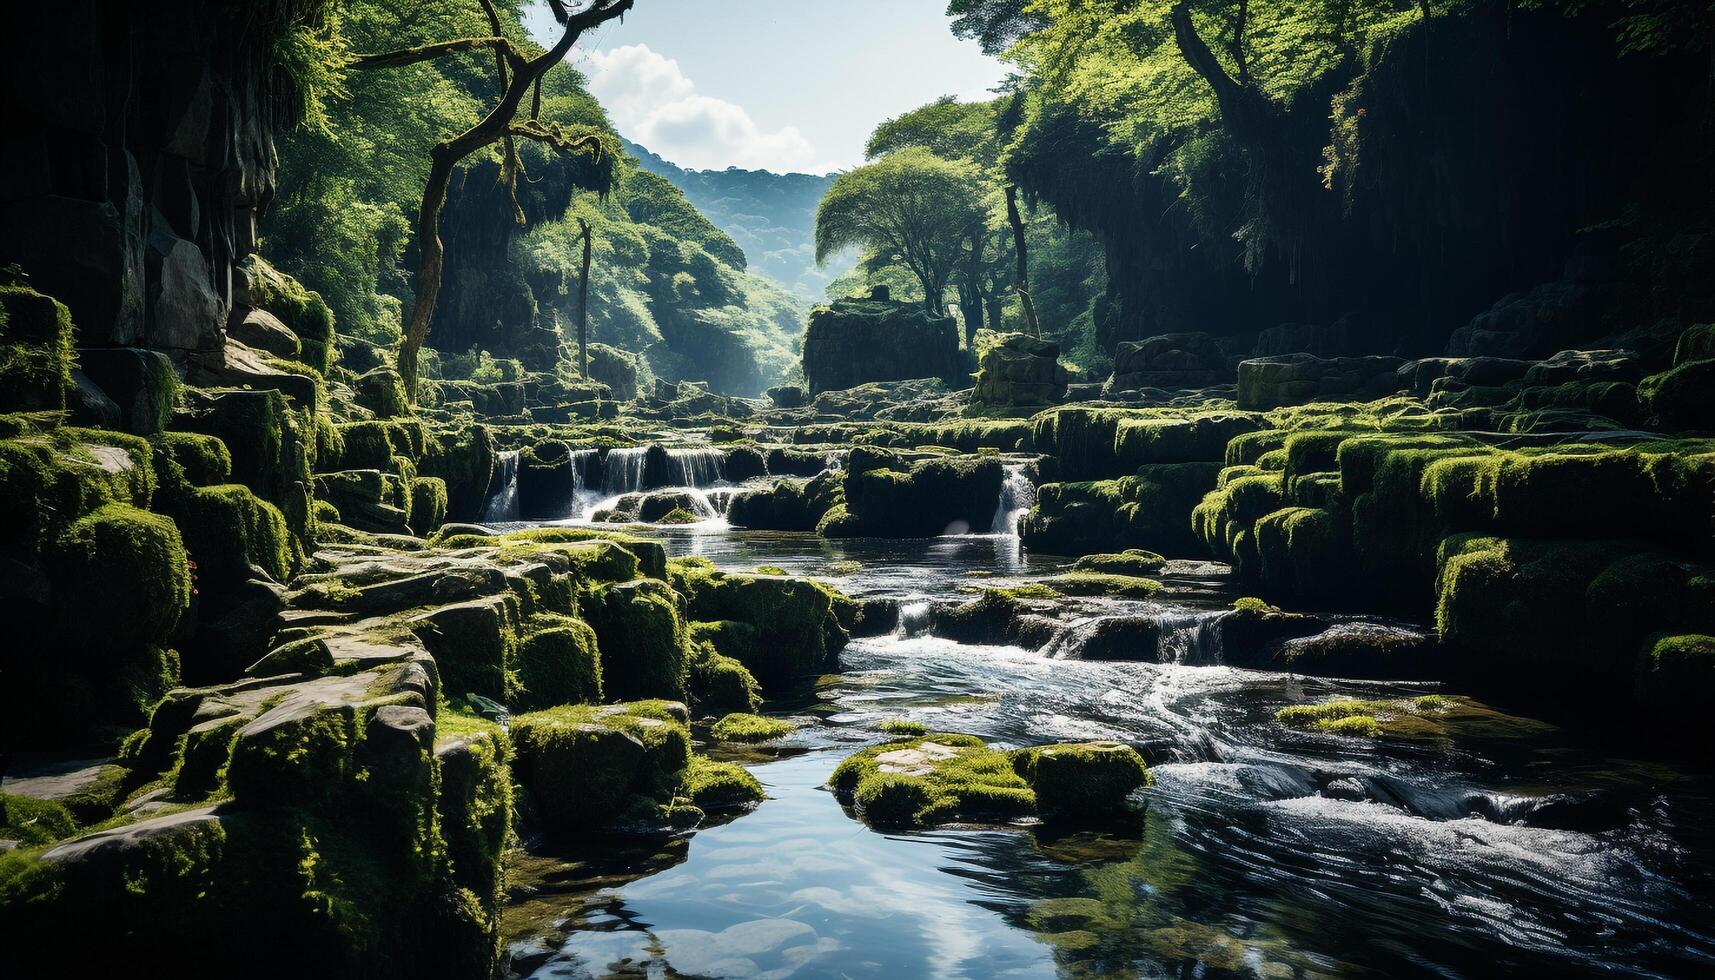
[(701, 504), (581, 491), (1189, 637), (696, 467), (622, 470), (1069, 643), (502, 506), (1017, 496), (914, 619)]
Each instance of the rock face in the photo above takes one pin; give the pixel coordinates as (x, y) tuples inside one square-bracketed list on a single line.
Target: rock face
[(135, 209), (1294, 379), (853, 341), (1021, 370), (1171, 360)]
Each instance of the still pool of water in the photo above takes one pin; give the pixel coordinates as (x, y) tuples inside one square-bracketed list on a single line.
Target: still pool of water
[(1480, 844)]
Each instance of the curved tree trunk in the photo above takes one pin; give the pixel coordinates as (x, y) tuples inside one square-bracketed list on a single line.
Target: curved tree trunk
[(429, 266)]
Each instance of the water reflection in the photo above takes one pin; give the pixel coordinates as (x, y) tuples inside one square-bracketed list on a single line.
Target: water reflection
[(1471, 843)]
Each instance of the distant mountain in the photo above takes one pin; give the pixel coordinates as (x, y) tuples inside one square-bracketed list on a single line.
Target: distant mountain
[(771, 216)]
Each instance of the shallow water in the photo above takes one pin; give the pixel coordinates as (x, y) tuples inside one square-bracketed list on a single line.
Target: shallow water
[(1475, 843)]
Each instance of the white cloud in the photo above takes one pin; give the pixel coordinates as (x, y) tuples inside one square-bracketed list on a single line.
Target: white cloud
[(654, 104)]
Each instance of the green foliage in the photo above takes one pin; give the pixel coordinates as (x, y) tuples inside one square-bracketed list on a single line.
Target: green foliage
[(911, 203), (1133, 561)]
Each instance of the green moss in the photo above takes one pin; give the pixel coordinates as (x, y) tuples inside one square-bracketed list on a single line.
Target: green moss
[(1253, 604), (227, 527), (32, 822), (932, 779), (797, 631), (36, 356), (47, 482), (191, 458), (1082, 779), (585, 765), (557, 663), (1029, 590), (1100, 584), (1677, 678), (719, 787), (428, 508), (121, 580), (1353, 726), (845, 566), (1133, 562), (678, 515), (300, 309), (770, 570), (901, 726), (720, 684), (749, 728), (1679, 398), (645, 648)]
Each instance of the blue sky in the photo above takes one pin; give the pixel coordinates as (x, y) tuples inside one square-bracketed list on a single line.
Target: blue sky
[(774, 84)]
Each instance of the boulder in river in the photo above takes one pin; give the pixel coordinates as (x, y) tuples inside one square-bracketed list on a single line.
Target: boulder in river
[(853, 341)]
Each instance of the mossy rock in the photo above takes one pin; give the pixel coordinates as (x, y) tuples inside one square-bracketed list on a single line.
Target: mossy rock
[(1150, 510), (36, 356), (46, 482), (227, 528), (1677, 678), (930, 780), (739, 727), (1103, 584), (1133, 561), (1081, 779), (645, 647), (797, 632), (428, 504), (585, 766), (558, 663), (1681, 398), (719, 787), (191, 459), (924, 501), (720, 685)]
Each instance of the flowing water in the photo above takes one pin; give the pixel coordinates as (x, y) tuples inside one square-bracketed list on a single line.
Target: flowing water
[(502, 506), (1482, 844)]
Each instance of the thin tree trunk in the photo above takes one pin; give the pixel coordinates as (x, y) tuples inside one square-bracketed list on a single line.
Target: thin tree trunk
[(1022, 284), (584, 306), (429, 265)]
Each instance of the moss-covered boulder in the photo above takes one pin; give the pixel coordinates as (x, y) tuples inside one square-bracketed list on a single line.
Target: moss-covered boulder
[(789, 505), (1133, 561), (227, 528), (784, 628), (1020, 370), (1081, 779), (932, 497), (720, 685), (745, 727), (141, 382), (586, 766), (558, 663), (1680, 398), (36, 356), (645, 647), (1151, 510), (853, 341), (932, 779), (118, 583), (268, 442)]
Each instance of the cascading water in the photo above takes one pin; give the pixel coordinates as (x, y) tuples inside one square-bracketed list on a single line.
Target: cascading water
[(622, 470), (696, 467), (502, 506), (1017, 496), (1189, 636), (914, 619)]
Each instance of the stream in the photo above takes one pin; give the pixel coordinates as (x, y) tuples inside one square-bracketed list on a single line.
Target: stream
[(1482, 844)]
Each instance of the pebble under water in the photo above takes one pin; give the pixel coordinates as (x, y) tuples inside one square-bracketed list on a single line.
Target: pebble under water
[(1481, 843)]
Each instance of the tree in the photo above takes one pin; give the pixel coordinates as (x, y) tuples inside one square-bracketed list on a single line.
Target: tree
[(584, 303), (994, 24), (518, 76), (913, 205)]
